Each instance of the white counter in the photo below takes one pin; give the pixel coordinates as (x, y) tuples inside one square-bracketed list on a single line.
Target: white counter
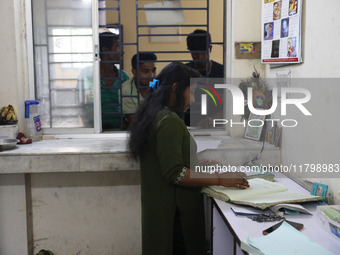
[(68, 155), (108, 154)]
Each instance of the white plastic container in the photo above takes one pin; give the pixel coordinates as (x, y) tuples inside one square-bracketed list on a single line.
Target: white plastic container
[(9, 131), (329, 225), (32, 117)]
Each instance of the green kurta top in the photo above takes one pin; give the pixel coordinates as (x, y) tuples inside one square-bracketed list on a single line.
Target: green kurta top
[(167, 152)]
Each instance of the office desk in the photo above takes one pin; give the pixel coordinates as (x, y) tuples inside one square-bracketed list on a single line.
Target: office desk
[(229, 230)]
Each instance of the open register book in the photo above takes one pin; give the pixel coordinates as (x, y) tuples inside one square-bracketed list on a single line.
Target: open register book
[(261, 194), (292, 209)]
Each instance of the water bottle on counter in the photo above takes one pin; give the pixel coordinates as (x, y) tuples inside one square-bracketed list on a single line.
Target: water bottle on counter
[(32, 117)]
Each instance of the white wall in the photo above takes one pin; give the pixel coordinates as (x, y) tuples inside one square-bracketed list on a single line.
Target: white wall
[(87, 213), (13, 67), (246, 28), (13, 213), (246, 25), (316, 139), (8, 63)]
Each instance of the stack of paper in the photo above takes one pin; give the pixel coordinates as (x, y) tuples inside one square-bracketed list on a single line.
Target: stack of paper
[(283, 241), (241, 210)]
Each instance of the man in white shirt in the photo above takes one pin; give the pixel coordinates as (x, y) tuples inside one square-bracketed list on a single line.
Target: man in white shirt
[(130, 91)]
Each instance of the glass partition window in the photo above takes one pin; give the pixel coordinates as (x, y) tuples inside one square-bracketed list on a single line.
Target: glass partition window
[(63, 51), (78, 50)]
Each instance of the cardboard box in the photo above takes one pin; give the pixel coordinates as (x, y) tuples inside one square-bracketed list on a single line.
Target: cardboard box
[(328, 224)]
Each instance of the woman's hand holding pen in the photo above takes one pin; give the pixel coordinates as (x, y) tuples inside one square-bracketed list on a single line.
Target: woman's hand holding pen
[(236, 179)]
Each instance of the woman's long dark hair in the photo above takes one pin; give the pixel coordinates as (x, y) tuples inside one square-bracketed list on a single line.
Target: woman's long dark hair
[(156, 99)]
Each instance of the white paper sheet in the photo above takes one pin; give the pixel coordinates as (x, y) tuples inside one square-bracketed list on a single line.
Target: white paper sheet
[(204, 144), (166, 17), (287, 240), (241, 210)]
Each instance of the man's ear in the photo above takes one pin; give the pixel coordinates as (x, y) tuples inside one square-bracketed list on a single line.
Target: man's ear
[(174, 87), (210, 47), (134, 72)]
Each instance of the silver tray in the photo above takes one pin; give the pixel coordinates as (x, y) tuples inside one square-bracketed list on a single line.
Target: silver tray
[(7, 144)]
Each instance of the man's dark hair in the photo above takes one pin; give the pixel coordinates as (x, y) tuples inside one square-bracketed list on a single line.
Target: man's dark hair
[(107, 39), (142, 57), (197, 40)]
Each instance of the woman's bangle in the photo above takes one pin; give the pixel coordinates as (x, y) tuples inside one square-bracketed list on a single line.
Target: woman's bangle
[(219, 179)]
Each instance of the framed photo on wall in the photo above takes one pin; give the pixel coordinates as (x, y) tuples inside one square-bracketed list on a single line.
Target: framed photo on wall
[(255, 126)]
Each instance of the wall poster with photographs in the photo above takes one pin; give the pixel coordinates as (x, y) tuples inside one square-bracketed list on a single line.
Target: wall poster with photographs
[(281, 31)]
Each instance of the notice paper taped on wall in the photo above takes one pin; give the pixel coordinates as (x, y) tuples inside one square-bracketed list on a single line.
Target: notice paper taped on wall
[(164, 17)]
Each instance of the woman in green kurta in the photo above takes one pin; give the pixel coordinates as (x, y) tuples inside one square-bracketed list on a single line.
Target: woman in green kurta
[(172, 205)]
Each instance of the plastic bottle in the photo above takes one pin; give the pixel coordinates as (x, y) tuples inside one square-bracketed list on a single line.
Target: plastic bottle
[(32, 117)]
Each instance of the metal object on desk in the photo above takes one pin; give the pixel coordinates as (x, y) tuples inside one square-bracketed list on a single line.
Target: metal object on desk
[(266, 217), (7, 144)]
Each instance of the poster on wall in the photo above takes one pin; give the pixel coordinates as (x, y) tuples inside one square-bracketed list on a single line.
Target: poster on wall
[(281, 31)]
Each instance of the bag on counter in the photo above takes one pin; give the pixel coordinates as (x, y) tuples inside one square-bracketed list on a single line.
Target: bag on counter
[(45, 252)]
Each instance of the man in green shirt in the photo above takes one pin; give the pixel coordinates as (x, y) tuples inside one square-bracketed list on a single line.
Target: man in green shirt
[(111, 79), (130, 91)]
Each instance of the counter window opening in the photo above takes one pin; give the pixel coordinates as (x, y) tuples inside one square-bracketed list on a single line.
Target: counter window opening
[(70, 73)]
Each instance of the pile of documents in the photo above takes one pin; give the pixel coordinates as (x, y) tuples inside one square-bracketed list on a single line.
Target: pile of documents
[(290, 241)]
